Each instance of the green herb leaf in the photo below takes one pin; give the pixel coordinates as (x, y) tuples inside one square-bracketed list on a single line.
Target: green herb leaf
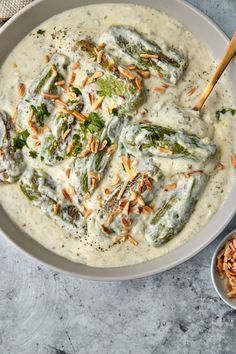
[(223, 111), (77, 91), (20, 141), (33, 154), (40, 113), (94, 123), (77, 146), (115, 111), (40, 31)]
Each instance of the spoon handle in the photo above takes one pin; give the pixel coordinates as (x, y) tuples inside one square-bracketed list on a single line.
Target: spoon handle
[(230, 52)]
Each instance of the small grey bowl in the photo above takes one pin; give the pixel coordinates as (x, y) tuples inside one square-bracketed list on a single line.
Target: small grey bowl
[(219, 283)]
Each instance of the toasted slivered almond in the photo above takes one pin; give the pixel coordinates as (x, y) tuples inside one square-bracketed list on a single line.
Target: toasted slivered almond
[(94, 183), (59, 102), (64, 110), (163, 150), (140, 201), (70, 190), (50, 96), (144, 74), (84, 153), (79, 116), (136, 211), (115, 180), (100, 200), (123, 204), (54, 70), (91, 60), (88, 214), (111, 149), (119, 238), (190, 173), (103, 145), (38, 143), (133, 196), (146, 209), (1, 152), (125, 223), (86, 196), (60, 83), (98, 103), (72, 78), (95, 50), (170, 187), (138, 83), (132, 67), (101, 46), (67, 172), (133, 176), (160, 75), (148, 184), (100, 56), (126, 73), (126, 163), (70, 147), (65, 134), (104, 229), (159, 89), (93, 175), (92, 146), (66, 195), (14, 116), (109, 219), (76, 65), (166, 86), (21, 89), (149, 56), (84, 82), (46, 58), (107, 191), (122, 190), (96, 147), (220, 166), (91, 97), (56, 208), (191, 91), (127, 208), (95, 76), (132, 240), (233, 160)]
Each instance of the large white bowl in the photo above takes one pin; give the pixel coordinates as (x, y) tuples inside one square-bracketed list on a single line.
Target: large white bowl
[(216, 40)]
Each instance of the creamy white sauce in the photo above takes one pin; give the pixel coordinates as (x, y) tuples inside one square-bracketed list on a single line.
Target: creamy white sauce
[(61, 32)]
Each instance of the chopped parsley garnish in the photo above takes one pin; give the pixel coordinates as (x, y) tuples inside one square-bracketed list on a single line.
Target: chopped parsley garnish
[(223, 111), (59, 158), (33, 154), (94, 123), (40, 31), (40, 113), (77, 148), (77, 91), (115, 111), (20, 141)]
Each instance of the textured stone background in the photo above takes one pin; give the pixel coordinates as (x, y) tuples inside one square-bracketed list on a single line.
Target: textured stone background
[(43, 312)]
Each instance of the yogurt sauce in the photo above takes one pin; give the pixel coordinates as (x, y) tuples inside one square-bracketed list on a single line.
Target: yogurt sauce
[(61, 32)]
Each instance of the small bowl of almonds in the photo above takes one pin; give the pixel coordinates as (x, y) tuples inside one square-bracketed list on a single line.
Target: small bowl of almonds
[(223, 269)]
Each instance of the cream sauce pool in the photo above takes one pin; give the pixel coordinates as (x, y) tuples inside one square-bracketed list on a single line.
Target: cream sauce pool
[(61, 32)]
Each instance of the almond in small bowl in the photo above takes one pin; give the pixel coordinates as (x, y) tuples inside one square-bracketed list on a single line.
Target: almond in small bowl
[(223, 269)]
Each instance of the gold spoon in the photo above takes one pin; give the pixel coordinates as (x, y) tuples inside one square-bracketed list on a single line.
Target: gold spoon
[(229, 54)]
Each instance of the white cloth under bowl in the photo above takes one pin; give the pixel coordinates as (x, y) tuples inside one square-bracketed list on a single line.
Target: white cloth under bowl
[(9, 7)]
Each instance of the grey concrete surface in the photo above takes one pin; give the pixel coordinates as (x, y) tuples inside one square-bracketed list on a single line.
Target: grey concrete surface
[(43, 312)]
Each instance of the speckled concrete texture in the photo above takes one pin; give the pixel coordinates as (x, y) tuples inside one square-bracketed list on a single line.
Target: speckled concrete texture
[(43, 312)]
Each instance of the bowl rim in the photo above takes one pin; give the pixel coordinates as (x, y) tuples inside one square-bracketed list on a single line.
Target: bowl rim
[(214, 273), (226, 210)]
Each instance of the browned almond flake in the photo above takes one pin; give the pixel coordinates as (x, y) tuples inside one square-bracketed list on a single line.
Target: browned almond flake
[(191, 91), (115, 180), (92, 146), (94, 77), (190, 173), (59, 102), (70, 147), (132, 67), (84, 82), (132, 177), (21, 89), (136, 211), (84, 153), (138, 83), (126, 73), (96, 147), (146, 209), (159, 89), (66, 195), (60, 83), (93, 175), (70, 190), (233, 160), (104, 229), (111, 149), (91, 60), (160, 75), (1, 152), (38, 143), (65, 134), (125, 223), (103, 145), (126, 163), (100, 200), (86, 196), (54, 70), (140, 201), (72, 78), (76, 65), (64, 110), (91, 97), (88, 214), (149, 56), (56, 208), (100, 56), (122, 190), (132, 240), (164, 150), (46, 58), (107, 191), (119, 238), (148, 184), (133, 196), (98, 103), (95, 50), (50, 96), (144, 74), (81, 117), (220, 166), (14, 116), (123, 204), (67, 172), (127, 208), (170, 187), (94, 183), (101, 46), (109, 219)]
